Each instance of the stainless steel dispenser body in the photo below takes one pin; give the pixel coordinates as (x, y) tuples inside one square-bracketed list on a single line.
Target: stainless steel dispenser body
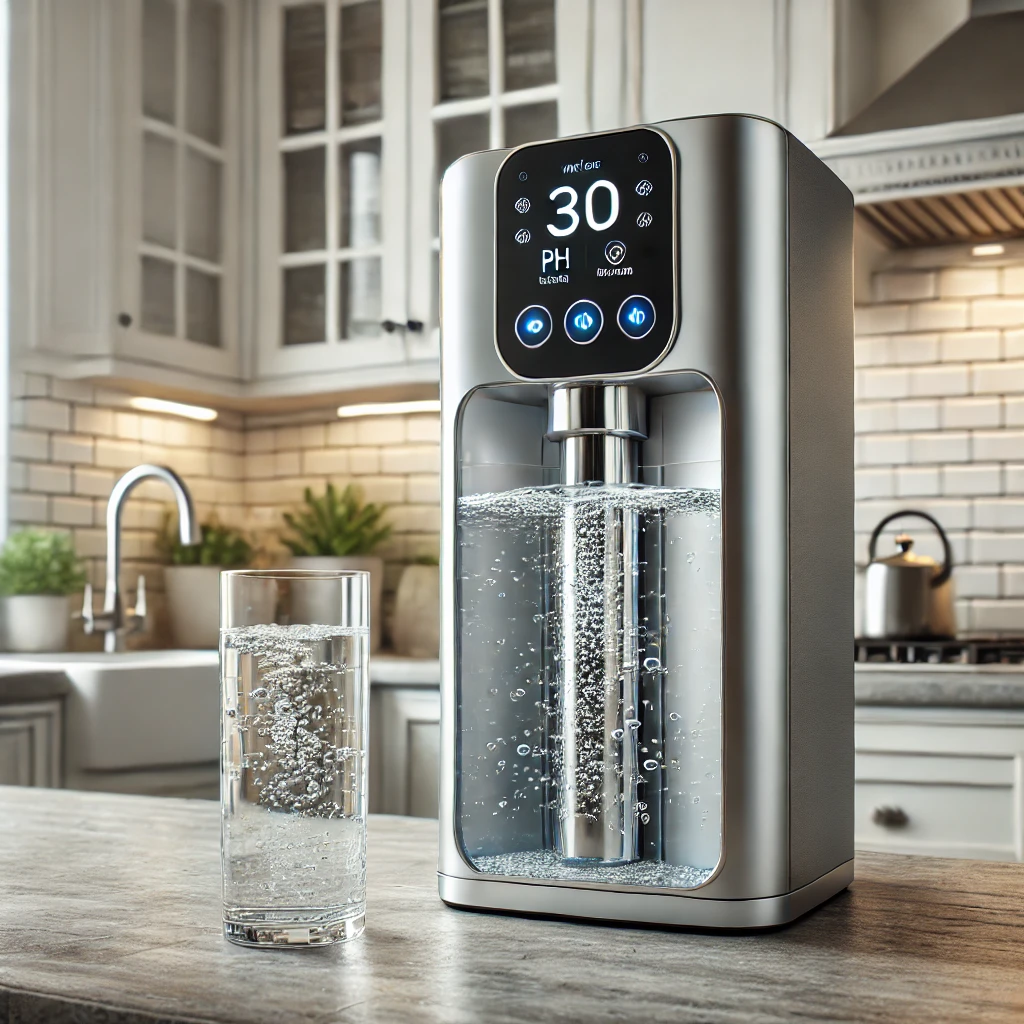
[(758, 372)]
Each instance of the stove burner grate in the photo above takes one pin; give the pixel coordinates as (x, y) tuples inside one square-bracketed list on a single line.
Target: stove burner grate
[(978, 651)]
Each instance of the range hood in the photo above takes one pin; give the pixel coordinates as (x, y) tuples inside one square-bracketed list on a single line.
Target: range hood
[(937, 155)]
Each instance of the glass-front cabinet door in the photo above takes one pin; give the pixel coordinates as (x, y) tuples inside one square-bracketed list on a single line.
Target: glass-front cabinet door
[(332, 218), (485, 77), (181, 139)]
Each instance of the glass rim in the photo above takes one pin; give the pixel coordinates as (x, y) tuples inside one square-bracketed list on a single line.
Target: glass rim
[(297, 574)]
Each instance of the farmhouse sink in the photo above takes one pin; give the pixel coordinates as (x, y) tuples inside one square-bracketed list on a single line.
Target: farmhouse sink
[(136, 709)]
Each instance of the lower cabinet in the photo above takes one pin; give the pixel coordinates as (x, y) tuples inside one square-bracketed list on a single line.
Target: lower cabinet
[(941, 782), (30, 744), (405, 748)]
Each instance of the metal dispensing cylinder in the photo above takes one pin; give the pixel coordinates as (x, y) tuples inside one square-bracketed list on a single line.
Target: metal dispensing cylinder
[(600, 428)]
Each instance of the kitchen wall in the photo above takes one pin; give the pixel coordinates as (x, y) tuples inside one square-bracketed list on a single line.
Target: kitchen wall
[(940, 422), (70, 442)]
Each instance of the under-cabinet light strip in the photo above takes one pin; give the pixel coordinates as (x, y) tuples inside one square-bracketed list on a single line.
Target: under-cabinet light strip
[(192, 412), (389, 408)]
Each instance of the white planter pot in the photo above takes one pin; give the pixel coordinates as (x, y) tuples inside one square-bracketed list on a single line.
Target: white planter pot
[(193, 601), (356, 563), (418, 612), (32, 623)]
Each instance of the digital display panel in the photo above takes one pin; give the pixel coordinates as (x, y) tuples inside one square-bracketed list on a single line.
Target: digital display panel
[(586, 255)]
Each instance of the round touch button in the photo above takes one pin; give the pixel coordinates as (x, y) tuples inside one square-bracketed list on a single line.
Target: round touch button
[(533, 326), (583, 321), (636, 317)]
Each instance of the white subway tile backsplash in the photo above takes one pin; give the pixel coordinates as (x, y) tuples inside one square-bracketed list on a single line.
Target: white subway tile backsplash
[(999, 513), (380, 430), (28, 508), (325, 461), (997, 312), (881, 319), (410, 459), (29, 444), (364, 461), (999, 378), (1003, 616), (259, 441), (17, 476), (874, 417), (915, 481), (939, 447), (971, 412), (71, 511), (1013, 280), (48, 478), (999, 445), (1013, 581), (117, 454), (976, 580), (94, 421), (97, 483), (387, 489), (972, 480), (904, 286), (1013, 478), (871, 350), (1013, 344), (913, 348), (883, 449), (986, 546), (341, 433), (46, 414), (424, 428), (425, 488), (969, 346), (965, 282), (1013, 411), (944, 315), (72, 448), (288, 463), (918, 414), (939, 380), (72, 390), (887, 383)]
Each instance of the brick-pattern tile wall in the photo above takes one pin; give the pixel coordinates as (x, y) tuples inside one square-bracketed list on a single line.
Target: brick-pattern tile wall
[(940, 426), (69, 442)]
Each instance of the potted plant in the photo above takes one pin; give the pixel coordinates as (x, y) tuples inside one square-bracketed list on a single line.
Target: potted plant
[(38, 573), (418, 609), (340, 531), (192, 580)]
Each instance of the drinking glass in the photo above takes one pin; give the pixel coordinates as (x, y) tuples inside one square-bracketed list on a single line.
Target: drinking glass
[(294, 652)]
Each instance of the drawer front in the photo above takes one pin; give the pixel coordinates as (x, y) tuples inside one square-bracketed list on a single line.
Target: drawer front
[(940, 819)]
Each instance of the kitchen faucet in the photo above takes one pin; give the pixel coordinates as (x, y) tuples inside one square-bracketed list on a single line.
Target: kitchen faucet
[(113, 621)]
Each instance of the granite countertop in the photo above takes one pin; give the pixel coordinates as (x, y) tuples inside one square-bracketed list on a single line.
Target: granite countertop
[(949, 686), (110, 912)]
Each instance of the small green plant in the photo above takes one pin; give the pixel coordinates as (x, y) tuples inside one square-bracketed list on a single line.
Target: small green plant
[(38, 562), (335, 524), (221, 545)]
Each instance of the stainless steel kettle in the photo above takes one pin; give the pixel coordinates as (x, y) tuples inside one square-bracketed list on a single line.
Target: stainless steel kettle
[(909, 596)]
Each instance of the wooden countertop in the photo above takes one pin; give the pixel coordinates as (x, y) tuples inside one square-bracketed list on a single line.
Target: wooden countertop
[(110, 911)]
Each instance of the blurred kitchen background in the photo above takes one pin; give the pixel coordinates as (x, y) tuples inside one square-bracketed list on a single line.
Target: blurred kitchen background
[(232, 204)]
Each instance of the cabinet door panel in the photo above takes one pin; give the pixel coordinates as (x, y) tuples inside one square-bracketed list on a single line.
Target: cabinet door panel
[(205, 51), (404, 750), (15, 754)]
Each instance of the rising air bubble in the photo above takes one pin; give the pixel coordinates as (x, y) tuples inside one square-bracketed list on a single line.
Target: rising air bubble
[(523, 749)]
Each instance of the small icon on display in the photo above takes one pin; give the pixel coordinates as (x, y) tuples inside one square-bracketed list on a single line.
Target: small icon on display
[(644, 188), (615, 253), (522, 236), (636, 317), (523, 175), (533, 326), (583, 321), (523, 205), (644, 220), (643, 158)]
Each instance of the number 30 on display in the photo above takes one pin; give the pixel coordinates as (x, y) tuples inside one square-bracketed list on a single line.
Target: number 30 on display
[(569, 209)]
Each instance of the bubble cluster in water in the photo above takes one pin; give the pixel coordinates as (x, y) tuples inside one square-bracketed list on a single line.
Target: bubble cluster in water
[(548, 864)]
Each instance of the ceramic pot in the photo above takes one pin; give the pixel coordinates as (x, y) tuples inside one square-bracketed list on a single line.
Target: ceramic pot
[(418, 612), (193, 602), (356, 563), (33, 623)]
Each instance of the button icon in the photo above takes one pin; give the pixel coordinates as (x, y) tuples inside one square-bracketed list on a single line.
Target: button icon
[(615, 253), (523, 205), (522, 236), (644, 188), (523, 175), (644, 220), (636, 317), (533, 326), (583, 321), (643, 158)]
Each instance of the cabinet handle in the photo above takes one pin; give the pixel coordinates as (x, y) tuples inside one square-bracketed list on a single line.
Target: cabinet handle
[(890, 817), (412, 326)]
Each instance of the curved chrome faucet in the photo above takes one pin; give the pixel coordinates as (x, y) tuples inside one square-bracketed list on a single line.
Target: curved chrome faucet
[(113, 621)]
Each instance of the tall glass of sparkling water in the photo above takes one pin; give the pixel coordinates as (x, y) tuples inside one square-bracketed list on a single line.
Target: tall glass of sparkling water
[(294, 651)]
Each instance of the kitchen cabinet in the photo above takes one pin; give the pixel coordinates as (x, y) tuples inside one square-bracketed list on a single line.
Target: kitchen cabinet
[(30, 744), (940, 781), (405, 736)]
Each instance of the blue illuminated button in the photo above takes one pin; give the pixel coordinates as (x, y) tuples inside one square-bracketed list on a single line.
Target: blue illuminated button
[(533, 326), (583, 321), (636, 317)]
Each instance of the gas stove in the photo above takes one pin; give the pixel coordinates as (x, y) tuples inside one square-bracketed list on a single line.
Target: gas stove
[(973, 651)]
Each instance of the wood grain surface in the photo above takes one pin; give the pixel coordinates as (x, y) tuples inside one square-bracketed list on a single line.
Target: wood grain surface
[(110, 912)]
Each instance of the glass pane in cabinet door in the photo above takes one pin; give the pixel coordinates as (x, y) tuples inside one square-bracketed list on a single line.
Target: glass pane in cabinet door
[(359, 183), (159, 48), (202, 307), (202, 206), (305, 69), (360, 298), (205, 69), (457, 136), (531, 123), (462, 48), (157, 296), (305, 219), (304, 317), (159, 190), (360, 58), (529, 27)]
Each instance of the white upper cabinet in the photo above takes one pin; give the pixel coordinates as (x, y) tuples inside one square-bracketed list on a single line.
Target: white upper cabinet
[(332, 211)]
